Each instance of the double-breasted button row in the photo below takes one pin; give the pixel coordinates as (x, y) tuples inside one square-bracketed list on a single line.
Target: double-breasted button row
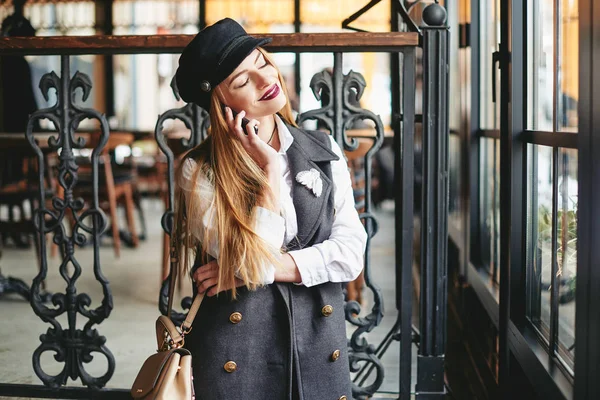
[(327, 310), (230, 366), (235, 317)]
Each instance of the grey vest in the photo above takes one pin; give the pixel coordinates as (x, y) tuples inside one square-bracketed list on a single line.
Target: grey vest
[(282, 341)]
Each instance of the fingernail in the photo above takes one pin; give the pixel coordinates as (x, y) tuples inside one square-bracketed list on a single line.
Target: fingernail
[(227, 109)]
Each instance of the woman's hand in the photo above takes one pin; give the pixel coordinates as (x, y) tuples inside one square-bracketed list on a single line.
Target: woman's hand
[(263, 154), (206, 276)]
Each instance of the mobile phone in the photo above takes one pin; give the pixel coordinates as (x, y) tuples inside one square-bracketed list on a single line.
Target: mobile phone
[(245, 121)]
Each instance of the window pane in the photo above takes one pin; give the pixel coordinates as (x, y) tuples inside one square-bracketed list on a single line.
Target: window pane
[(569, 65), (455, 182), (539, 235), (490, 37), (143, 81), (540, 76), (567, 252), (329, 15), (490, 206), (256, 16)]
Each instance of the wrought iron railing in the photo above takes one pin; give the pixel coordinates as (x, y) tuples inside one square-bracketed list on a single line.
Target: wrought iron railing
[(73, 346)]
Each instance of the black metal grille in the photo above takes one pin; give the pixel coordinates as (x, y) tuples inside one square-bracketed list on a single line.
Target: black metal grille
[(73, 347)]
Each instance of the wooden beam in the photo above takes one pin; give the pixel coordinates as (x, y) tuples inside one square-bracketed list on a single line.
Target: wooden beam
[(130, 44)]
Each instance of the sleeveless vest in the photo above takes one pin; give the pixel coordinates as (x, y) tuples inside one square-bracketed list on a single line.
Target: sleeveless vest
[(282, 341)]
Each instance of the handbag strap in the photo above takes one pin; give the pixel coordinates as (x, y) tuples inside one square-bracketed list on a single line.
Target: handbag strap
[(164, 323)]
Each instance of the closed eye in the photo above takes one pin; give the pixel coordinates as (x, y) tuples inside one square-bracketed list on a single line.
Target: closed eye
[(243, 84)]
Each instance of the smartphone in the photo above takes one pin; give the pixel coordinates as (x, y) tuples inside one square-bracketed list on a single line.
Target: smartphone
[(245, 121)]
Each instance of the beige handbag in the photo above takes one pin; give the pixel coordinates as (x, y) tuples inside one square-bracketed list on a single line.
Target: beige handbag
[(167, 375)]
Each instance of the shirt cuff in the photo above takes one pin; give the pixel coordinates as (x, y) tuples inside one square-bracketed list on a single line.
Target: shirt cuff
[(268, 275), (311, 266)]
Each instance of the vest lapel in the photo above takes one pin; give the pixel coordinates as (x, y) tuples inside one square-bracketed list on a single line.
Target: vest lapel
[(307, 152)]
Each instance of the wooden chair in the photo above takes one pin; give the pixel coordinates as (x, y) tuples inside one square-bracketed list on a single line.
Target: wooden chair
[(19, 190), (114, 188), (150, 169)]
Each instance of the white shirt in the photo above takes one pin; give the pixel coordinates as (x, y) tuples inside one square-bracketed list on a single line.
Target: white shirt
[(337, 259)]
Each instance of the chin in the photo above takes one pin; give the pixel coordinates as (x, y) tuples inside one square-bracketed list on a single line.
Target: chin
[(273, 106)]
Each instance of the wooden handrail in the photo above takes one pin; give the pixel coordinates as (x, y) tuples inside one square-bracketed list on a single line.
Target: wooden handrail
[(144, 44)]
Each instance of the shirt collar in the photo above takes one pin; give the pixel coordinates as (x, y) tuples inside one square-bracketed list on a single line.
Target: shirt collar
[(285, 137)]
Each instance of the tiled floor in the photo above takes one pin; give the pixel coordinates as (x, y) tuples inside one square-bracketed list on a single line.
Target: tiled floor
[(134, 281)]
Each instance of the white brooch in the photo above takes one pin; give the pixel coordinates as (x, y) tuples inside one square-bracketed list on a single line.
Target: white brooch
[(312, 180)]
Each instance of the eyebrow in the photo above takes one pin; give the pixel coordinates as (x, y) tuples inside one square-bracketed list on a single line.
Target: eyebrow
[(245, 70)]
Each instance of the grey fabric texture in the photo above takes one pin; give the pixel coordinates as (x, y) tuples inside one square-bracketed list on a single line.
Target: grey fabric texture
[(283, 340)]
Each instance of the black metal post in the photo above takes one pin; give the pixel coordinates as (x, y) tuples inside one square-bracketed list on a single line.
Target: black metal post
[(474, 147), (403, 122), (109, 76), (404, 145), (297, 62), (587, 322), (434, 217), (513, 95)]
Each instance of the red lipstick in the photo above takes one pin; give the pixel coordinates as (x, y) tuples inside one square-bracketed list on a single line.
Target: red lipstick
[(271, 93)]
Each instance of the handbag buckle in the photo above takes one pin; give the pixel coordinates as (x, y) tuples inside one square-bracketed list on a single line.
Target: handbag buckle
[(184, 331)]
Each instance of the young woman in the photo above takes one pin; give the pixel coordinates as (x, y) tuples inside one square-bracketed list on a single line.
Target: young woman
[(268, 211)]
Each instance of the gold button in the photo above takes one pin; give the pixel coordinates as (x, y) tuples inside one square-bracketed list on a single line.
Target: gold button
[(343, 398), (230, 366), (327, 310), (235, 317), (335, 355)]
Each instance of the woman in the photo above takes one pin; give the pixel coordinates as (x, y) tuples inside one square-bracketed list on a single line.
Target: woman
[(269, 213)]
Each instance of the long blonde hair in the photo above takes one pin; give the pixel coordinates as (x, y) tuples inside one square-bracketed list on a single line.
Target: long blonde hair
[(238, 185)]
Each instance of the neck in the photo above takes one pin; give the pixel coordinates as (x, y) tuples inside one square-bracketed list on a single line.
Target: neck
[(266, 128)]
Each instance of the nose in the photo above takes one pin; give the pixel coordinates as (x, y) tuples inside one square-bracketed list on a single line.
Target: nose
[(263, 79)]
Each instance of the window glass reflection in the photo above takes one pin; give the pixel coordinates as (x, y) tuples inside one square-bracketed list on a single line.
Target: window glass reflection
[(567, 252), (539, 229), (568, 66), (540, 68), (490, 207), (455, 182), (490, 37)]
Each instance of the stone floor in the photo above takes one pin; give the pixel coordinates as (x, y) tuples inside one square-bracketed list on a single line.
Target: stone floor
[(134, 281)]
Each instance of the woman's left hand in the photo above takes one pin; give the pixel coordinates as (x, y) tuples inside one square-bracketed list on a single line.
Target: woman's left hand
[(206, 277)]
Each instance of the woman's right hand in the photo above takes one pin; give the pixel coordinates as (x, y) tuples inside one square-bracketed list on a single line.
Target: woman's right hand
[(263, 154), (207, 276)]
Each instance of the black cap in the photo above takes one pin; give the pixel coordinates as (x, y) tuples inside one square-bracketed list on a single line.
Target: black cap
[(212, 56)]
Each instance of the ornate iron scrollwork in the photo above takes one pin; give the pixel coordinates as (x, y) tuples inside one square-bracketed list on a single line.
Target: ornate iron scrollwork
[(340, 111), (72, 346), (197, 120)]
